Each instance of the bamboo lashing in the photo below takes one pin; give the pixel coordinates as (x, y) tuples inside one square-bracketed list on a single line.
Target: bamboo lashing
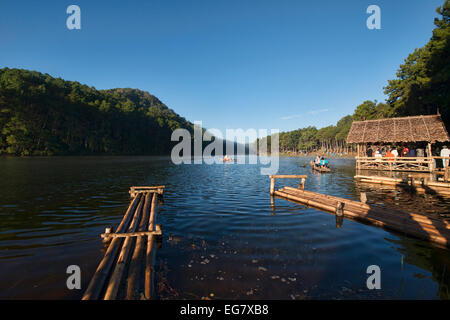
[(132, 234)]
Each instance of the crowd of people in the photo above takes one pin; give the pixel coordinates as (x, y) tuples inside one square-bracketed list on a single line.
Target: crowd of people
[(392, 152)]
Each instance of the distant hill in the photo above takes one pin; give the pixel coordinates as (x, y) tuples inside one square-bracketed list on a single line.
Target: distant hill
[(42, 115)]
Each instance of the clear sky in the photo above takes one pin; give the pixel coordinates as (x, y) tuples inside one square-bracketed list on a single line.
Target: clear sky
[(231, 64)]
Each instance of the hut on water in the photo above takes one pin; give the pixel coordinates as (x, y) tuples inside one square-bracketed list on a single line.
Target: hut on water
[(416, 131)]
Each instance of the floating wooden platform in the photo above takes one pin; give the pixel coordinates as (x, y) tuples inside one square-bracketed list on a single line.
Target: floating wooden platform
[(126, 271), (421, 185), (416, 225), (319, 169)]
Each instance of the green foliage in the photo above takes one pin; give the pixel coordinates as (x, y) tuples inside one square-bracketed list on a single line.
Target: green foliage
[(41, 115), (422, 86), (423, 81), (369, 110)]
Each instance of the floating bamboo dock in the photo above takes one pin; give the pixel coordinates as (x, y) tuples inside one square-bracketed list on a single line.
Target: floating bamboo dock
[(422, 185), (125, 271), (416, 225)]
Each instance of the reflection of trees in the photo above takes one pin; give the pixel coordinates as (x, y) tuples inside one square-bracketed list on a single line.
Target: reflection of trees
[(427, 257), (424, 255), (420, 254)]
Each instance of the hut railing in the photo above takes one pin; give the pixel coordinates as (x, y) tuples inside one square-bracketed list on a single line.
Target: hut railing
[(423, 164)]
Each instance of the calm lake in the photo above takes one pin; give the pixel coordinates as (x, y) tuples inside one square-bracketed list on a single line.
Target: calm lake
[(221, 236)]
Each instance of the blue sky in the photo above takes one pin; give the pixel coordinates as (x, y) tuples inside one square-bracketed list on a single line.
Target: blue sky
[(231, 64)]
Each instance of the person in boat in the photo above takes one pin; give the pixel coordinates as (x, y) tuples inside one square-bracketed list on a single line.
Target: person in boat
[(323, 162), (317, 161), (226, 158)]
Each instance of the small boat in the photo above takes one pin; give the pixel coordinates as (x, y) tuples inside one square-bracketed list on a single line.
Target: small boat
[(319, 168), (227, 158)]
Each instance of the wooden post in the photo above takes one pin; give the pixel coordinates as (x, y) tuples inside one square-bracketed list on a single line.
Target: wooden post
[(339, 221), (358, 154), (302, 184), (272, 185), (363, 197), (430, 158), (340, 208)]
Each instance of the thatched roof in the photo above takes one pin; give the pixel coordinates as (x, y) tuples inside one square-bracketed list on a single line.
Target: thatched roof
[(405, 129)]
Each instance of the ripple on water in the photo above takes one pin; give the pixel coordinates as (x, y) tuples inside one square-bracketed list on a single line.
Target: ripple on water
[(221, 234)]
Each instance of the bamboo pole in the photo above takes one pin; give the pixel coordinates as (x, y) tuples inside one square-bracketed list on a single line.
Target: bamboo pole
[(135, 264), (415, 182), (272, 185), (117, 275), (98, 280), (289, 176), (131, 234), (430, 156), (417, 187), (149, 254)]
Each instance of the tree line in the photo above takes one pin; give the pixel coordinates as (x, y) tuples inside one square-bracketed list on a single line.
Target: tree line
[(421, 87), (42, 115)]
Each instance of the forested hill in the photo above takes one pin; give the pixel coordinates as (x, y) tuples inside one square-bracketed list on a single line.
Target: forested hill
[(42, 115)]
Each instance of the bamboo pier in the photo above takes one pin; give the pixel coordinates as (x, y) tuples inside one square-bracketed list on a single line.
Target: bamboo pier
[(421, 185), (412, 224), (126, 270)]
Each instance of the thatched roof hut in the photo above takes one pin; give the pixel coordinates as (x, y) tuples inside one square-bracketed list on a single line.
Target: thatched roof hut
[(428, 128)]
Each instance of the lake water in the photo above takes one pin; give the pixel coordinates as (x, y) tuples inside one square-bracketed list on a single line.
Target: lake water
[(222, 238)]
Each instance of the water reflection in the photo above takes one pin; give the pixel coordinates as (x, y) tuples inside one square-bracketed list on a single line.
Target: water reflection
[(223, 235)]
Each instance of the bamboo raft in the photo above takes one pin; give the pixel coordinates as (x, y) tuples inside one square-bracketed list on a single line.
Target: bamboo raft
[(416, 225), (319, 169), (421, 185), (126, 269)]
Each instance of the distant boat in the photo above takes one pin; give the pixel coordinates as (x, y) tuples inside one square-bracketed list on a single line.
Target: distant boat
[(227, 158), (319, 168)]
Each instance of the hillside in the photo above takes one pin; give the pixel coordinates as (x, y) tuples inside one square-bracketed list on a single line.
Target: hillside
[(42, 115)]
